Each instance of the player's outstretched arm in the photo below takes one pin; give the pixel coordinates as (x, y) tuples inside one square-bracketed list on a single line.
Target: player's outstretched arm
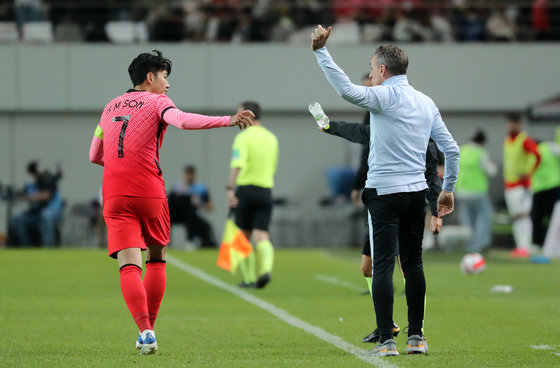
[(96, 151), (353, 132), (190, 121)]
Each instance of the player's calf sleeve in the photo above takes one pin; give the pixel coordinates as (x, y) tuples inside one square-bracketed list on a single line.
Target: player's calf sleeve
[(247, 267), (265, 252), (135, 295), (368, 282), (154, 283)]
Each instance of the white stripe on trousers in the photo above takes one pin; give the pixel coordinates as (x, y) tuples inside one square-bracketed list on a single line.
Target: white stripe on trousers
[(370, 228)]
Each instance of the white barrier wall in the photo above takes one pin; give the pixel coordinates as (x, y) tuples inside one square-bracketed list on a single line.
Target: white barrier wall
[(481, 77)]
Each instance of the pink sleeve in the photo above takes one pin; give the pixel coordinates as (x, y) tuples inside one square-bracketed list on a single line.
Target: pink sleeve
[(96, 151), (187, 120)]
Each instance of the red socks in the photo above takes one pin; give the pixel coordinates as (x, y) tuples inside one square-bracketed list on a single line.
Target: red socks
[(135, 295), (154, 284)]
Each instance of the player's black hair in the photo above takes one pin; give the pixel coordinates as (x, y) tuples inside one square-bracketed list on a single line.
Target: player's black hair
[(190, 169), (254, 107), (479, 137), (514, 116), (146, 63), (33, 167)]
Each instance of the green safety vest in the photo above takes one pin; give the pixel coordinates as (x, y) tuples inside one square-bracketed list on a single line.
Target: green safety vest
[(255, 152), (517, 162), (547, 175), (472, 177)]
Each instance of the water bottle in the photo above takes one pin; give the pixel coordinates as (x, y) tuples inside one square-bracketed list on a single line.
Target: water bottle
[(319, 115)]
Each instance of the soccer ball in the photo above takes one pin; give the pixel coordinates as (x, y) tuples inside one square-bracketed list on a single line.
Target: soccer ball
[(473, 263)]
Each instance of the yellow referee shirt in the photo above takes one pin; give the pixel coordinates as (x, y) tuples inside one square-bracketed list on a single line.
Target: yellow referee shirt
[(255, 152)]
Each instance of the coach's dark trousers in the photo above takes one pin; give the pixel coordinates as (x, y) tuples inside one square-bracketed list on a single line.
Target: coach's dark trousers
[(397, 224)]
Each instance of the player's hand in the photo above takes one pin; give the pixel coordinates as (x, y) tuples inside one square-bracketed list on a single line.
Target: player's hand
[(242, 119), (232, 198), (435, 225), (319, 37), (356, 198), (445, 203)]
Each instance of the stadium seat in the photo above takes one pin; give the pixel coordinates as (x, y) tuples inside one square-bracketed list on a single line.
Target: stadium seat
[(346, 33), (126, 32), (68, 32), (8, 32), (38, 32)]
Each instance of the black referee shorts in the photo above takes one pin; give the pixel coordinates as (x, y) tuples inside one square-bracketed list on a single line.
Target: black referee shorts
[(254, 209)]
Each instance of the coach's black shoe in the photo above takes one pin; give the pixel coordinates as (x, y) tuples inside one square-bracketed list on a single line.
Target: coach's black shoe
[(247, 285), (375, 335), (263, 280)]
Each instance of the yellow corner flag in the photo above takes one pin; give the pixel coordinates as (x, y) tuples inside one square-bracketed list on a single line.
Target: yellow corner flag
[(234, 247)]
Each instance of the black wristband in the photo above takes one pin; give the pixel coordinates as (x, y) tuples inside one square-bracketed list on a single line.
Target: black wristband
[(229, 188)]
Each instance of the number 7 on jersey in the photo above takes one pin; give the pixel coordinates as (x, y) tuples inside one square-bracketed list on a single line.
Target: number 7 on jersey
[(125, 119)]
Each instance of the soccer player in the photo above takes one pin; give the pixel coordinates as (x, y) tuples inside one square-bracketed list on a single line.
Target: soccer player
[(127, 143), (402, 122), (521, 160), (253, 164)]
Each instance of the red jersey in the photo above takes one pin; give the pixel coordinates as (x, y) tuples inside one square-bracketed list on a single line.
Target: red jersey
[(132, 129)]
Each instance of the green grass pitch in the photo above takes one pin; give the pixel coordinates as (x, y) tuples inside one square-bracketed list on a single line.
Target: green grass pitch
[(63, 308)]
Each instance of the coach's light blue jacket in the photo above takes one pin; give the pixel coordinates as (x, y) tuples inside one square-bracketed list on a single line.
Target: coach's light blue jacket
[(402, 122)]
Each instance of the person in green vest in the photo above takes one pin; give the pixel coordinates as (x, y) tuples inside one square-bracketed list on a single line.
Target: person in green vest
[(471, 190), (546, 191), (521, 160), (249, 191)]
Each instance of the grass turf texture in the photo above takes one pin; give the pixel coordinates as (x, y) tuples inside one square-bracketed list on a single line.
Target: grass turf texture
[(64, 308)]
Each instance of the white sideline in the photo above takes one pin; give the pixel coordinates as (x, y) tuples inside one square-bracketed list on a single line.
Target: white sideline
[(336, 281), (282, 314)]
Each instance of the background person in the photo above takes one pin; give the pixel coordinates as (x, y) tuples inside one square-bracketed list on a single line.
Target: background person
[(471, 191), (45, 207), (521, 160), (546, 192), (249, 190), (186, 200)]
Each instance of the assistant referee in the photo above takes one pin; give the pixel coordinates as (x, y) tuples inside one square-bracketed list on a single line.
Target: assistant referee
[(253, 165)]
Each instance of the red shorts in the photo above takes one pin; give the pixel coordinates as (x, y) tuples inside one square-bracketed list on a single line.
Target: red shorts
[(136, 222)]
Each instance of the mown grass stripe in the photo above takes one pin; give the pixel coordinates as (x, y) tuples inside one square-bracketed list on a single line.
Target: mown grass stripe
[(281, 314)]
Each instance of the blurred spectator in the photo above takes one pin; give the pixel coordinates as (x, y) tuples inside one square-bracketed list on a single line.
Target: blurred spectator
[(284, 20), (27, 11), (185, 202), (472, 25), (441, 27), (541, 20), (499, 26), (407, 29), (473, 202), (45, 207), (166, 22)]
